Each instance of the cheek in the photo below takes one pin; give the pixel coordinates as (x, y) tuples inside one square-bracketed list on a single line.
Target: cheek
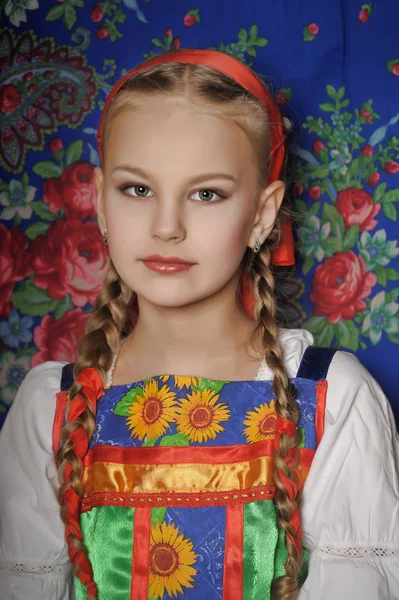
[(227, 236)]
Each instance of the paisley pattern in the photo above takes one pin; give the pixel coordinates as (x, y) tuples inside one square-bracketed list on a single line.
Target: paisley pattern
[(334, 74)]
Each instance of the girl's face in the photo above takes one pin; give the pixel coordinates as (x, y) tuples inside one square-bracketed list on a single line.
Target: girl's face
[(177, 183)]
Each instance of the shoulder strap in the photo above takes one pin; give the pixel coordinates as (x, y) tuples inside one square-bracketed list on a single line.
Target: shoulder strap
[(67, 377), (315, 362)]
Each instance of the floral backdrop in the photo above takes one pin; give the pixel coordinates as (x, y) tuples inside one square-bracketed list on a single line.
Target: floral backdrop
[(334, 69)]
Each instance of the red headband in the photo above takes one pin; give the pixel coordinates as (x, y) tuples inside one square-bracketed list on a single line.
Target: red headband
[(284, 254)]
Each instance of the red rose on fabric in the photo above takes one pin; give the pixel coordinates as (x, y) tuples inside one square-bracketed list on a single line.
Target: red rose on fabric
[(296, 189), (189, 20), (313, 29), (391, 167), (58, 340), (366, 115), (281, 98), (357, 207), (374, 179), (56, 144), (315, 192), (364, 15), (15, 264), (102, 32), (9, 98), (97, 14), (367, 151), (339, 286), (70, 259), (395, 69), (318, 146), (176, 43), (75, 191)]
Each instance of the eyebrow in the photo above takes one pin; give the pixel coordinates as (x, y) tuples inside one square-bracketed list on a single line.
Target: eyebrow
[(197, 179)]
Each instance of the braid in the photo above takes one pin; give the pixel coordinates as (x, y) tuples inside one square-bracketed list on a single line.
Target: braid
[(96, 349), (286, 453)]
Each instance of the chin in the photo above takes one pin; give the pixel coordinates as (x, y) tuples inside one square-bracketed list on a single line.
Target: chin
[(179, 297)]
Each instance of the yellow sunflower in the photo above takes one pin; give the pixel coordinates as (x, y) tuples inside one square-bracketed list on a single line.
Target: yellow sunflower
[(261, 423), (182, 380), (171, 557), (151, 414), (199, 416)]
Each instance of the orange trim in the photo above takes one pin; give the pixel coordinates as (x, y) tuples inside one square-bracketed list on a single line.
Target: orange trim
[(141, 554), (233, 553), (168, 455), (265, 492), (321, 393), (59, 419)]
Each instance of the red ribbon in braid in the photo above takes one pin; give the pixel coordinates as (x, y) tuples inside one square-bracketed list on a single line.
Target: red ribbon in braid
[(93, 390), (292, 487)]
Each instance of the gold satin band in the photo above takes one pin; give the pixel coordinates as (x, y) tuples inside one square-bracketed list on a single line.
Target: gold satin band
[(184, 478)]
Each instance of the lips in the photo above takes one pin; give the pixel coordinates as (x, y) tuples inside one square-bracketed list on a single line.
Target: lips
[(166, 259), (166, 264)]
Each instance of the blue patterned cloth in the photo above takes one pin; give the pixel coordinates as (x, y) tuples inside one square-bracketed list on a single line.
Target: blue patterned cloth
[(333, 67)]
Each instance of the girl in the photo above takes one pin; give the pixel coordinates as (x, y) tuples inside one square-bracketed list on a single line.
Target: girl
[(187, 427)]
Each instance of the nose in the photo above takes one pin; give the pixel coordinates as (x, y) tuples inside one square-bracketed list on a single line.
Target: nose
[(168, 221)]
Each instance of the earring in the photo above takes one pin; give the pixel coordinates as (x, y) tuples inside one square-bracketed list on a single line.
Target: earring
[(257, 245), (105, 236)]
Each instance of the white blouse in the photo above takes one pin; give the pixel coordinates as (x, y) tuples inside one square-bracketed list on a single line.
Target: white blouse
[(350, 515)]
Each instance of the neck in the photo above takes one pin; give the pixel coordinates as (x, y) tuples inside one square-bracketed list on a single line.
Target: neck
[(205, 336)]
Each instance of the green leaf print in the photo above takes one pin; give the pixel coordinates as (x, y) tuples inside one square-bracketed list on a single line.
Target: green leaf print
[(122, 407), (347, 334), (210, 384), (179, 439), (157, 514)]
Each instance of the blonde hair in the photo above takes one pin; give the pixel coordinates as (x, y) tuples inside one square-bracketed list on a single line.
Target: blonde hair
[(115, 308)]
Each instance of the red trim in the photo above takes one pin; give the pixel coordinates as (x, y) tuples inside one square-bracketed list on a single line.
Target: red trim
[(183, 500), (58, 419), (321, 393), (168, 455), (141, 554), (233, 553)]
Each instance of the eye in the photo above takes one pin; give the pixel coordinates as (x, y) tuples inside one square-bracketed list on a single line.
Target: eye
[(140, 191), (207, 195)]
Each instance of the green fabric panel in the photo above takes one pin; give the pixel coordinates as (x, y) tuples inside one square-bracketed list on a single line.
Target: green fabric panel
[(281, 552), (260, 539), (265, 554), (112, 565)]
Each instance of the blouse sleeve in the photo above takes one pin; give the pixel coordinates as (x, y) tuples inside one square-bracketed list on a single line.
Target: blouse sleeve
[(350, 511), (34, 561)]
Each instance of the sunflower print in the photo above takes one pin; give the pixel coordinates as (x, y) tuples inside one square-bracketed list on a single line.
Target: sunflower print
[(261, 423), (182, 381), (171, 560), (199, 415), (151, 414)]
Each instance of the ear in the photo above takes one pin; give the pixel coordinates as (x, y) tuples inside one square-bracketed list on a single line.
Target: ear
[(269, 205), (99, 180)]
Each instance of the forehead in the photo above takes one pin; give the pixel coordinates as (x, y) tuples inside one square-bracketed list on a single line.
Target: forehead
[(161, 130)]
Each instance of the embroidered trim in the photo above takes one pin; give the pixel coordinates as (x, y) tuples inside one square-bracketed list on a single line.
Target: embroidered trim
[(362, 552), (187, 500), (62, 569)]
